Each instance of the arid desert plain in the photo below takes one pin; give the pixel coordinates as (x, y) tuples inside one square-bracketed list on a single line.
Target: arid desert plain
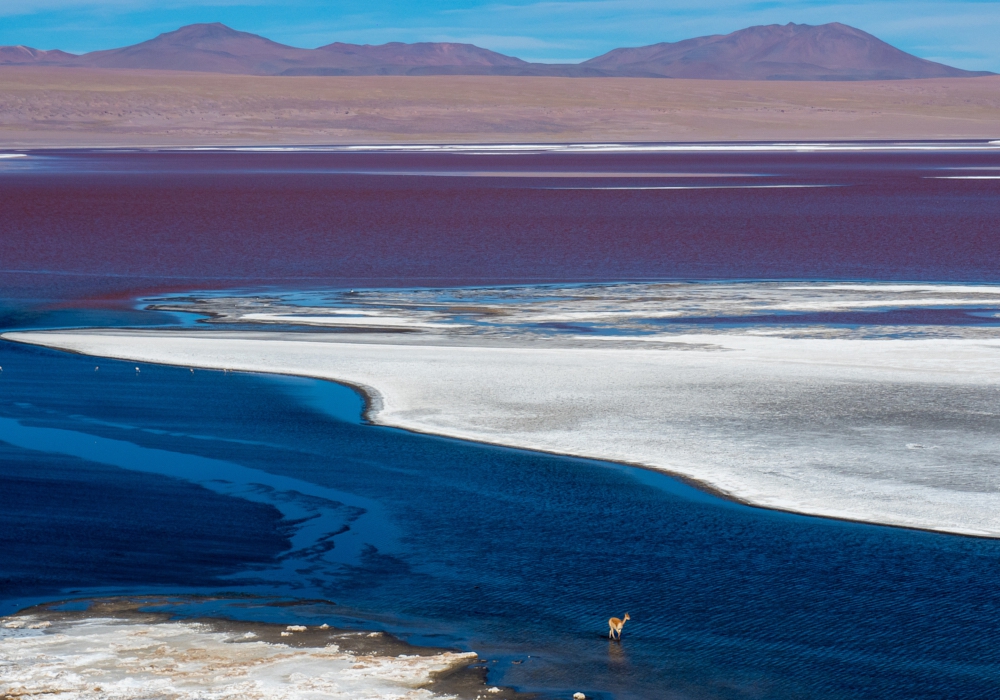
[(75, 107)]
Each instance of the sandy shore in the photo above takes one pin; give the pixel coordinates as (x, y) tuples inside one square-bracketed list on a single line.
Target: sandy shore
[(60, 107), (113, 650), (893, 431)]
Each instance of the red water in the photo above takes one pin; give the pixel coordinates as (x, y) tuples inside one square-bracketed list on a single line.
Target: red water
[(89, 224)]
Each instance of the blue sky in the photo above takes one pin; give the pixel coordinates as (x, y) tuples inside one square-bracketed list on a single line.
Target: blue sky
[(963, 33)]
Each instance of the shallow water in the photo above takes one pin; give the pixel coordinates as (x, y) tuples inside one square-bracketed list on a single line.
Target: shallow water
[(163, 480), (610, 311)]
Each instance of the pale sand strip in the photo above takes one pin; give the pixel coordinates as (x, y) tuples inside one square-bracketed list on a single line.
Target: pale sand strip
[(57, 107), (900, 432)]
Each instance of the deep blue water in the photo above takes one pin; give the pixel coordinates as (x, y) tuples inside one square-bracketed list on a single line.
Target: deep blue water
[(507, 552), (162, 480)]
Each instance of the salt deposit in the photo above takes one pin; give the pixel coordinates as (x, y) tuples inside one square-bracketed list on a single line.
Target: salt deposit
[(886, 424), (617, 308), (113, 658), (342, 320), (816, 426)]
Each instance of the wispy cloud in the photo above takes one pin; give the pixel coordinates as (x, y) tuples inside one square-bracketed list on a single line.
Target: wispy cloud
[(34, 7)]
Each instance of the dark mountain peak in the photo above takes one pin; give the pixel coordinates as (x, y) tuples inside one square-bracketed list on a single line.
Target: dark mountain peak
[(205, 29), (213, 48), (213, 36), (791, 51)]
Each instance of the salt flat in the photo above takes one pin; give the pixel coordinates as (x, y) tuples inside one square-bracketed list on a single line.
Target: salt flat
[(899, 431)]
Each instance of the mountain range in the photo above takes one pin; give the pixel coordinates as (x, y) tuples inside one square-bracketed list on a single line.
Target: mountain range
[(773, 52)]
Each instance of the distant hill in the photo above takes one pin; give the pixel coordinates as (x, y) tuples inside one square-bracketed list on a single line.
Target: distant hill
[(212, 48), (216, 48), (23, 55), (219, 49), (397, 58), (790, 52), (776, 52)]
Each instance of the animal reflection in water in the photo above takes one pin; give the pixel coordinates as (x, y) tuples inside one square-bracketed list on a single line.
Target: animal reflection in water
[(617, 660), (616, 626)]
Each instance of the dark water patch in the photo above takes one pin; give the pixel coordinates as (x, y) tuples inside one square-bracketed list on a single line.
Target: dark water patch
[(888, 317), (323, 526), (567, 327), (22, 317), (70, 523)]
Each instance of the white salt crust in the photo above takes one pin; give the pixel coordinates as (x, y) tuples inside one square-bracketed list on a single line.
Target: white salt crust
[(102, 658), (892, 431)]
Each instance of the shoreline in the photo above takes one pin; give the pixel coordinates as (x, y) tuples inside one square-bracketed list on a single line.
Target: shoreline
[(375, 403), (372, 402), (440, 672), (842, 144)]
